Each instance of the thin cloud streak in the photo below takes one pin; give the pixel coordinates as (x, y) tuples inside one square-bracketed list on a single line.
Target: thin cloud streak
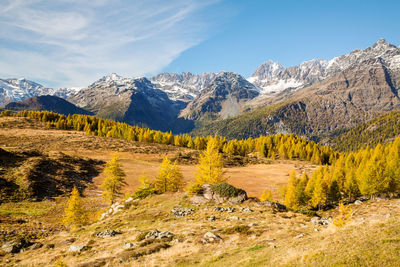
[(68, 43)]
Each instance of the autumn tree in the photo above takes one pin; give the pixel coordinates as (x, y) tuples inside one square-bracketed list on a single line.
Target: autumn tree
[(75, 215), (266, 195), (170, 178), (209, 169), (115, 179), (290, 196)]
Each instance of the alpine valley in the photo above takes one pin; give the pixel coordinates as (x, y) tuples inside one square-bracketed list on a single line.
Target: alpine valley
[(317, 99)]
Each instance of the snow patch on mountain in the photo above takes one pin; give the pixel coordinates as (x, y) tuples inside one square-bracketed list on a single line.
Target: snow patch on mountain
[(272, 77)]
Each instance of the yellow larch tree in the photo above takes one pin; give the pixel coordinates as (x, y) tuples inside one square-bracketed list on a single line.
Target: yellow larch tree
[(75, 215), (115, 179), (210, 167)]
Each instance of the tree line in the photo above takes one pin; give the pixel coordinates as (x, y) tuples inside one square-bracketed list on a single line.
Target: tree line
[(367, 172), (278, 146)]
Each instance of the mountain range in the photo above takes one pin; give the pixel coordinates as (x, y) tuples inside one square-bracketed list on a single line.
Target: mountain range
[(316, 99)]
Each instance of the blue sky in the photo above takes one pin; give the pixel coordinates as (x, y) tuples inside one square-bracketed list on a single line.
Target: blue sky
[(66, 43)]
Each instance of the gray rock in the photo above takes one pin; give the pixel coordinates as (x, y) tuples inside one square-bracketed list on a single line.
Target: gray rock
[(299, 236), (108, 233), (321, 221), (222, 209), (247, 210), (207, 192), (77, 248), (210, 195), (210, 237), (212, 218), (182, 212), (128, 245), (274, 205), (198, 200), (156, 234), (235, 218), (16, 246), (36, 246)]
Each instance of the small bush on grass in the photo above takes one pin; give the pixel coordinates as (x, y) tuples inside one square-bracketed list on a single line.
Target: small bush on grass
[(238, 229), (226, 190), (194, 189), (258, 247)]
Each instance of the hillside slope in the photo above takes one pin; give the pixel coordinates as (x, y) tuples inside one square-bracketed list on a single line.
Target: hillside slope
[(49, 103), (382, 129)]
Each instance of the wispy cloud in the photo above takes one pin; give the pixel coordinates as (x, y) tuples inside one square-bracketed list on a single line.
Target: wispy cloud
[(73, 42)]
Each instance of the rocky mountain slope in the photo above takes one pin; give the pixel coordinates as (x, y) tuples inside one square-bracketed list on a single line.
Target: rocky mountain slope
[(185, 86), (360, 86), (14, 90), (381, 130), (224, 97), (272, 77), (134, 101), (47, 102)]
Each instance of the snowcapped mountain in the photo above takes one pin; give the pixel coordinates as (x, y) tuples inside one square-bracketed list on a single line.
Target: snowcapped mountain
[(14, 90), (135, 101), (224, 97), (272, 77), (185, 86)]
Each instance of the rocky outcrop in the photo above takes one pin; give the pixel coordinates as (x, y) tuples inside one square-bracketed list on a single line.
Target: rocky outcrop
[(210, 194), (182, 212), (156, 234), (15, 246)]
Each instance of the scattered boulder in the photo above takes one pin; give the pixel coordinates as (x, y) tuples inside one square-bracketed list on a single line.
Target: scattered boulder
[(198, 200), (156, 234), (210, 237), (222, 209), (358, 202), (235, 218), (179, 212), (77, 248), (220, 193), (16, 246), (108, 233), (128, 245), (212, 218), (321, 221), (299, 236), (36, 245), (246, 210), (274, 205)]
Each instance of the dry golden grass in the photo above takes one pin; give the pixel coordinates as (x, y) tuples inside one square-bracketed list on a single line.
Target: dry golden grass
[(369, 239)]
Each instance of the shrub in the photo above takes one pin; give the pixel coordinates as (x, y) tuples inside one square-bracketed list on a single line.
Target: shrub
[(238, 229), (194, 189), (257, 247), (142, 193), (344, 216), (226, 190), (266, 195)]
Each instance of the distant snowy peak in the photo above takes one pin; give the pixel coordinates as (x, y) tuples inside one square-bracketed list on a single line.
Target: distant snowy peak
[(272, 77), (14, 90), (185, 86)]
